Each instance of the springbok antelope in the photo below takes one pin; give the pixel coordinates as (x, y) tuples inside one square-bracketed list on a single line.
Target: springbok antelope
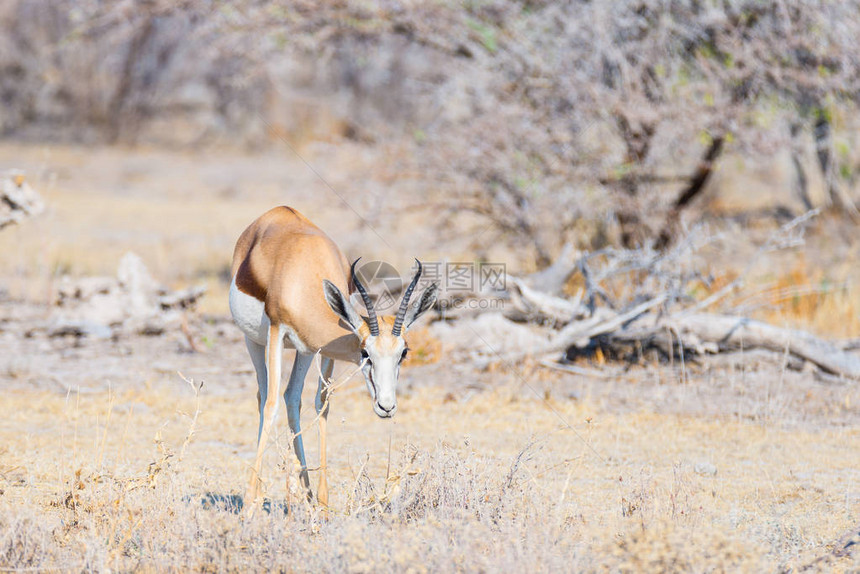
[(290, 288)]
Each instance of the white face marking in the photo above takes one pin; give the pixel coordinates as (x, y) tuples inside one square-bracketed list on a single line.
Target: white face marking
[(381, 369), (381, 354)]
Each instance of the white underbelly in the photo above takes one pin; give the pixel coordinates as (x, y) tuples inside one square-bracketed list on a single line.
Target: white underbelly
[(249, 315)]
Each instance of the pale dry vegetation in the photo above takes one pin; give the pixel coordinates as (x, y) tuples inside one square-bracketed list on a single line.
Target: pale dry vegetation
[(616, 114), (106, 481)]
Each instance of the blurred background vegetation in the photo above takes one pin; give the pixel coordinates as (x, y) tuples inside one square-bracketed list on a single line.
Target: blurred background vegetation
[(591, 121)]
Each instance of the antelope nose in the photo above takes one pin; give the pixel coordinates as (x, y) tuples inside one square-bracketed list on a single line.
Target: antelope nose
[(385, 409)]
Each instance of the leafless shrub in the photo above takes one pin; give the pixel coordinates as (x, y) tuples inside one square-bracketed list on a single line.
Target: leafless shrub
[(673, 83), (535, 117), (440, 484), (22, 543)]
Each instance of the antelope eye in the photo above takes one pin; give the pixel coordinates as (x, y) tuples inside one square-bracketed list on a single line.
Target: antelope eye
[(403, 356), (364, 355)]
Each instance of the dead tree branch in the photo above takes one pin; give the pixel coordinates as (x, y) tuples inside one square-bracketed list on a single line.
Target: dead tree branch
[(731, 333), (693, 189)]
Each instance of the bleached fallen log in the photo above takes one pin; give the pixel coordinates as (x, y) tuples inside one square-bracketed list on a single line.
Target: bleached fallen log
[(705, 333), (131, 302), (184, 299), (18, 200), (552, 279), (663, 337), (602, 322), (578, 333), (731, 333), (538, 306)]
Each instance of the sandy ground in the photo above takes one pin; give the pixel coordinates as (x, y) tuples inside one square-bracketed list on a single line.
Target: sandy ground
[(742, 447)]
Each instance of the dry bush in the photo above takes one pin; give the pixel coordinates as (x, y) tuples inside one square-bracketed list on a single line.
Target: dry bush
[(614, 114), (444, 512), (668, 547), (631, 104), (439, 512)]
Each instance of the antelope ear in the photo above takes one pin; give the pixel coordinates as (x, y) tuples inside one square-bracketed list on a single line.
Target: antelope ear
[(421, 306), (341, 306)]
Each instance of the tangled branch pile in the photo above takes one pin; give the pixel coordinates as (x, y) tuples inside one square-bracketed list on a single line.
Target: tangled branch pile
[(623, 304)]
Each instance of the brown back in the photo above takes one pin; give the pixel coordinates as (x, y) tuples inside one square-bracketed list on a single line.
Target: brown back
[(281, 259)]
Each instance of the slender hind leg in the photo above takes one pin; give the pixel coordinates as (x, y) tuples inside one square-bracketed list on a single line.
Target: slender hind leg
[(293, 398), (322, 411), (268, 367), (258, 358)]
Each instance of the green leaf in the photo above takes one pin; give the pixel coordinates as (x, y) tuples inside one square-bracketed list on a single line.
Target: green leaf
[(486, 33)]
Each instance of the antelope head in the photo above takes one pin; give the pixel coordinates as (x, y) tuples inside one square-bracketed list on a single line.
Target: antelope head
[(381, 345)]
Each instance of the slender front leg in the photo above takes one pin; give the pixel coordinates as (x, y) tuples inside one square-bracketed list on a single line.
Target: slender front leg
[(293, 398), (322, 411), (268, 397)]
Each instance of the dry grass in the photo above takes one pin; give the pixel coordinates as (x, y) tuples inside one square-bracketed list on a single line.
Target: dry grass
[(807, 296), (424, 348), (95, 482)]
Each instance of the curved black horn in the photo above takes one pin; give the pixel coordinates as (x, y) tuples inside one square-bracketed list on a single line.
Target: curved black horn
[(368, 303), (404, 304)]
